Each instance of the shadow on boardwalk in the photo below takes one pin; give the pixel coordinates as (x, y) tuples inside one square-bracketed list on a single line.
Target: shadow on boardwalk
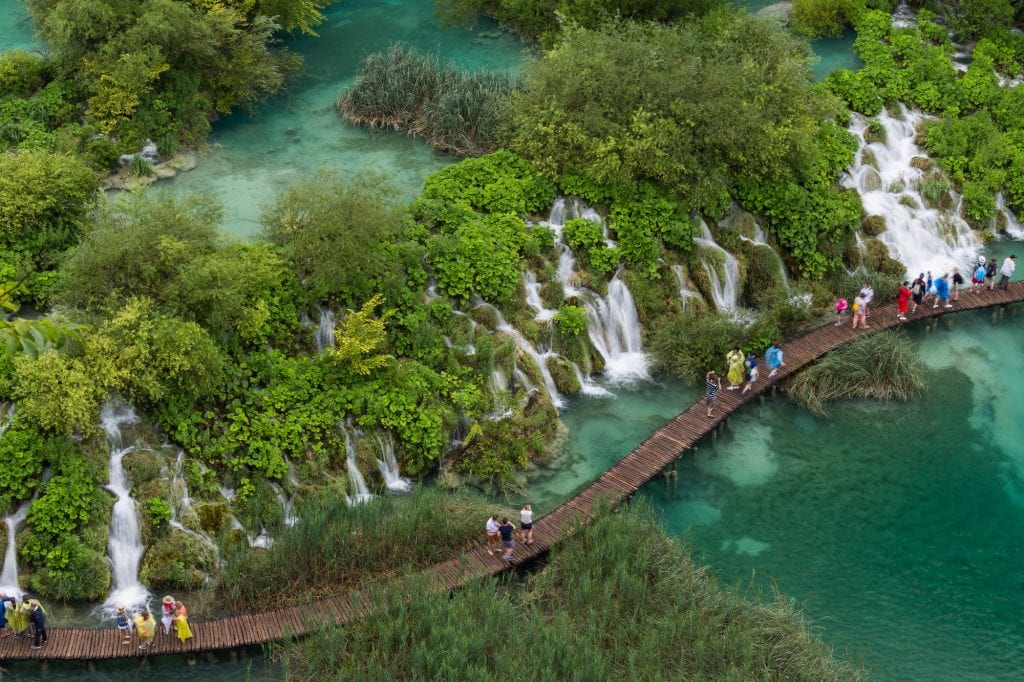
[(645, 462)]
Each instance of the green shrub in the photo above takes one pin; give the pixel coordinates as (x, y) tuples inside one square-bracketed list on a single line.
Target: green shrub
[(689, 345), (883, 366), (571, 320), (158, 512), (21, 73)]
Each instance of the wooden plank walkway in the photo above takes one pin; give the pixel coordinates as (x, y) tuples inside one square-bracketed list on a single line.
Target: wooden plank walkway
[(638, 467)]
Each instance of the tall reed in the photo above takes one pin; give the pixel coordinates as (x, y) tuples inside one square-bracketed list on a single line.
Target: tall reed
[(333, 545), (617, 600), (407, 89), (882, 366)]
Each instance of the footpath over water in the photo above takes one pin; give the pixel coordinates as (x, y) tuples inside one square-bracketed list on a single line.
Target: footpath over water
[(645, 462)]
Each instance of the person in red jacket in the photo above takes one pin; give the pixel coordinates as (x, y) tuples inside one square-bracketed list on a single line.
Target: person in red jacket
[(903, 300)]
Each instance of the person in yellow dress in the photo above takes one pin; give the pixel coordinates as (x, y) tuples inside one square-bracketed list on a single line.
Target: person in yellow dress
[(181, 623), (22, 610), (17, 620)]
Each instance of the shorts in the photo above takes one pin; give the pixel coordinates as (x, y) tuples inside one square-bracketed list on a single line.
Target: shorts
[(525, 526), (752, 377), (918, 298), (509, 544)]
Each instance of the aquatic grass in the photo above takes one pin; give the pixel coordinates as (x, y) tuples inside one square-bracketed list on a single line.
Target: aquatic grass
[(333, 545), (617, 600), (407, 89), (883, 366)]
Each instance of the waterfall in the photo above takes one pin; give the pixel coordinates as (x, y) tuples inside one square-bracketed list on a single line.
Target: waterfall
[(685, 293), (287, 505), (725, 286), (325, 330), (388, 465), (360, 493), (527, 348), (1009, 221), (615, 332), (532, 288), (7, 410), (125, 546), (919, 237), (9, 577)]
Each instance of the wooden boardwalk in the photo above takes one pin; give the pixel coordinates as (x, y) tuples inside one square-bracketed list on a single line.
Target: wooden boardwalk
[(638, 467)]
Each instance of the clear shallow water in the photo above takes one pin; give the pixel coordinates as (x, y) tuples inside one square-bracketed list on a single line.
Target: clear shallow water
[(15, 28), (294, 135), (897, 527)]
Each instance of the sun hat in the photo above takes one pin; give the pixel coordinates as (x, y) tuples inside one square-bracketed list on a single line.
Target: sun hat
[(981, 260), (168, 599), (120, 608)]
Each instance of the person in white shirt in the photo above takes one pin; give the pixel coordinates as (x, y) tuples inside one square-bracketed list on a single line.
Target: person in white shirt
[(869, 294), (492, 534), (1009, 265), (526, 524)]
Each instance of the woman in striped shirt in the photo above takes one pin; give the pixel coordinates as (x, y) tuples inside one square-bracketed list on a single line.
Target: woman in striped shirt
[(713, 386)]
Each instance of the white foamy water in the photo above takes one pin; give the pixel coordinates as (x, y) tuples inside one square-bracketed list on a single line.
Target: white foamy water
[(921, 238), (388, 465), (360, 492), (725, 286)]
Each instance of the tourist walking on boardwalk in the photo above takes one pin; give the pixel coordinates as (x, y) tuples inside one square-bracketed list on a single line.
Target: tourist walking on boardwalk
[(526, 524), (869, 295), (167, 607), (124, 630), (181, 623), (903, 300), (942, 292), (145, 625), (990, 274), (507, 529), (492, 533), (734, 363), (958, 284), (841, 305), (979, 276), (1009, 265), (3, 614), (929, 286), (37, 617), (860, 311), (750, 364), (17, 619), (917, 292), (712, 385), (773, 358)]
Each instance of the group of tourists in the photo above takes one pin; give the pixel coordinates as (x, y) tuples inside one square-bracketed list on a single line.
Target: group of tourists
[(742, 371), (173, 615), (25, 618), (506, 532)]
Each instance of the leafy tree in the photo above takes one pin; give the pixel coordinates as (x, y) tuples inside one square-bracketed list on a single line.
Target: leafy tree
[(336, 233), (696, 108), (56, 393), (360, 338), (45, 200)]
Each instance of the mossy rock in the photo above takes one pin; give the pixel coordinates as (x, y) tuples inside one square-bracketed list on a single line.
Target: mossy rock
[(872, 181), (575, 349), (922, 163), (909, 201), (873, 225), (179, 561), (999, 221), (85, 578), (875, 132), (142, 466), (880, 260), (552, 294), (156, 487), (214, 517), (896, 187), (764, 282), (485, 315), (563, 375), (867, 158)]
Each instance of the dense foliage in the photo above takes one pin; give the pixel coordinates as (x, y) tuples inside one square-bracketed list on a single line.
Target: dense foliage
[(406, 89), (616, 600)]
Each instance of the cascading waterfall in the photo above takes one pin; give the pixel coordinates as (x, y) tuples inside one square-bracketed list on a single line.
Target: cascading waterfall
[(1009, 223), (685, 293), (527, 348), (183, 505), (921, 238), (532, 288), (9, 577), (325, 330), (388, 465), (125, 546), (6, 417), (725, 287), (360, 492), (613, 323)]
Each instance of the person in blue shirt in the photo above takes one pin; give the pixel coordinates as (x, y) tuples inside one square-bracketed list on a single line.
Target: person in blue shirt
[(942, 292), (773, 357), (750, 365), (506, 529)]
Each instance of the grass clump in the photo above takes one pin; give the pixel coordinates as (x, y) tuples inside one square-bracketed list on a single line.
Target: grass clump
[(333, 546), (407, 89), (882, 366), (617, 600)]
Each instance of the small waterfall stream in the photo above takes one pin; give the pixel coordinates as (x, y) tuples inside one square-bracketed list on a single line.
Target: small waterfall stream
[(324, 336), (388, 465), (725, 286), (889, 185), (532, 288), (360, 492), (183, 505), (125, 546), (527, 349), (9, 577)]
